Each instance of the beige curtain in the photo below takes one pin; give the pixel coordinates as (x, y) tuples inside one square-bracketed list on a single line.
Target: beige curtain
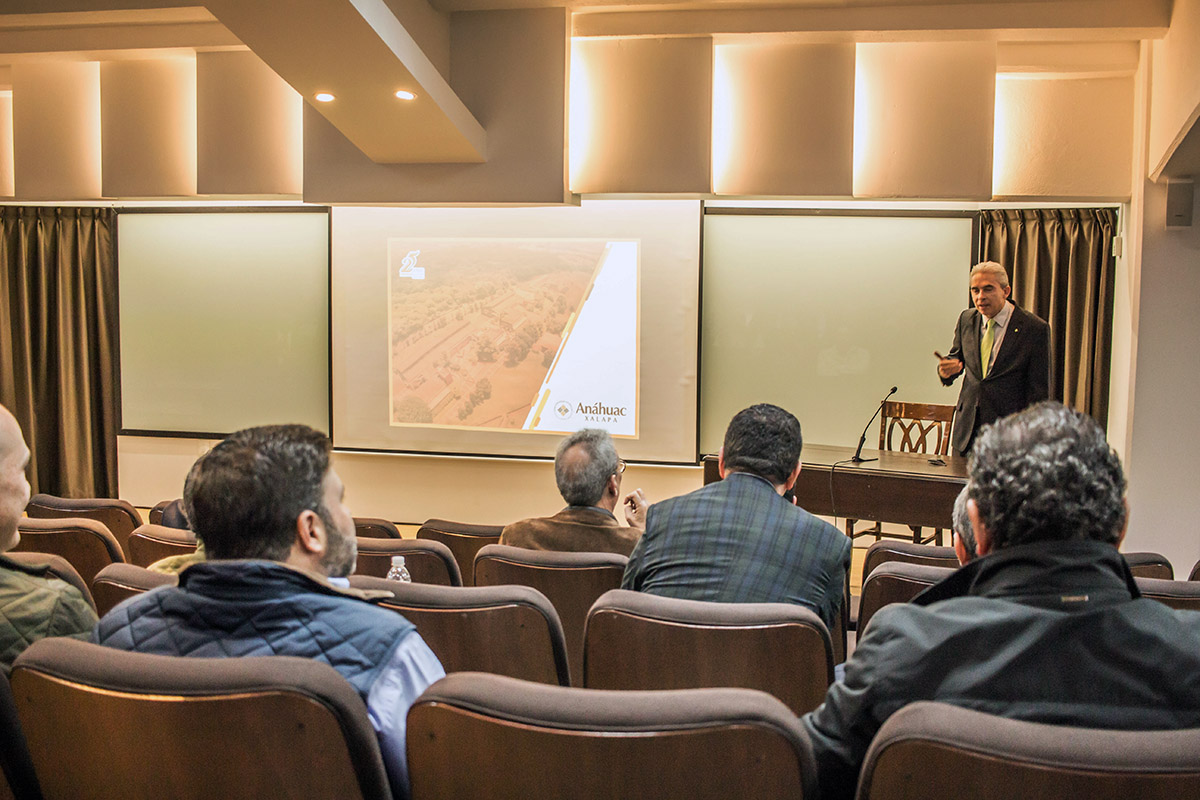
[(58, 292), (1061, 266)]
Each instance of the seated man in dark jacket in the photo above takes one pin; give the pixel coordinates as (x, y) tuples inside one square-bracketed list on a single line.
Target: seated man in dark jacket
[(280, 541), (588, 474), (1046, 625), (33, 603)]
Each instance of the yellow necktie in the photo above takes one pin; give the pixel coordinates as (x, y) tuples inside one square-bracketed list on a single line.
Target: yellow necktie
[(985, 346)]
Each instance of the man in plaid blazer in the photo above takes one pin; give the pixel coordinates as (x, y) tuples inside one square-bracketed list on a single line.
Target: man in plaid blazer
[(738, 540)]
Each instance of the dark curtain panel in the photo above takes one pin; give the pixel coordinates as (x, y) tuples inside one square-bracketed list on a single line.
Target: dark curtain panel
[(1061, 267), (58, 292)]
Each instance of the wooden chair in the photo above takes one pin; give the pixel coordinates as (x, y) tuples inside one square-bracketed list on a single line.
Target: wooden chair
[(911, 428), (427, 561), (635, 640), (117, 515), (85, 543), (937, 750), (473, 736), (1150, 565), (895, 582), (55, 566), (1183, 595), (375, 528), (463, 539), (150, 543), (119, 582), (106, 723), (572, 581), (505, 630)]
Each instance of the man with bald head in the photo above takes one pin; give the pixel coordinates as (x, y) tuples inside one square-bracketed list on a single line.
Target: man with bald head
[(588, 473), (33, 603)]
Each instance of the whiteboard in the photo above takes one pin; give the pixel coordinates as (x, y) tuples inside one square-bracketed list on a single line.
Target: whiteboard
[(823, 314)]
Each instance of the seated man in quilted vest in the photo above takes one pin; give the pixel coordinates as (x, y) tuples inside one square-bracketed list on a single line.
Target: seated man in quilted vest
[(280, 542), (33, 603)]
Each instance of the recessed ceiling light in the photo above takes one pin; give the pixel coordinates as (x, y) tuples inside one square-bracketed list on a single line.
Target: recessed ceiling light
[(404, 94), (323, 97)]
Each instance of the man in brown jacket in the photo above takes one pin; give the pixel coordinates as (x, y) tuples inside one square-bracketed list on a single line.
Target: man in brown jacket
[(33, 603), (588, 474)]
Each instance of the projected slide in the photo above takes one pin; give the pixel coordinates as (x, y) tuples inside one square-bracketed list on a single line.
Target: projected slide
[(513, 334)]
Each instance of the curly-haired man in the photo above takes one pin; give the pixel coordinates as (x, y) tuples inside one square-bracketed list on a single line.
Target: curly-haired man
[(1046, 625)]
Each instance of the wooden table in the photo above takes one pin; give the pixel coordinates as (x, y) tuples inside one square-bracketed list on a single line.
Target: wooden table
[(900, 487)]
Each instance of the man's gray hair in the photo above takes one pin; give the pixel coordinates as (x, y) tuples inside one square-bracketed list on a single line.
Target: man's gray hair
[(962, 522), (992, 268), (581, 481), (1047, 474)]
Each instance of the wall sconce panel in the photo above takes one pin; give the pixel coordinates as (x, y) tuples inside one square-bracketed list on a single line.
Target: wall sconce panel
[(56, 130)]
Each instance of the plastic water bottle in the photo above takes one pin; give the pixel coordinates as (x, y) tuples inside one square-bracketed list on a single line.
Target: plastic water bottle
[(399, 572)]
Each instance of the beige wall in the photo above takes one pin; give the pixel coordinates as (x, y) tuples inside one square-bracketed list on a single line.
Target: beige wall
[(1175, 105)]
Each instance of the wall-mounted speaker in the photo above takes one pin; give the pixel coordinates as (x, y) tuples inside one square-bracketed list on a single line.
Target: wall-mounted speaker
[(1180, 195)]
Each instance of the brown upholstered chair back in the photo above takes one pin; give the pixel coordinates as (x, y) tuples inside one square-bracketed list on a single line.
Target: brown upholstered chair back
[(1184, 595), (427, 561), (375, 528), (1150, 565), (640, 641), (506, 630), (516, 739), (149, 543), (117, 515), (463, 539), (57, 566), (274, 726), (572, 581), (119, 582), (895, 582), (930, 554), (86, 544), (1194, 575), (937, 750)]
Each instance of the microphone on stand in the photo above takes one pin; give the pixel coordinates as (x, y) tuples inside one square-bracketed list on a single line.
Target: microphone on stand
[(858, 459)]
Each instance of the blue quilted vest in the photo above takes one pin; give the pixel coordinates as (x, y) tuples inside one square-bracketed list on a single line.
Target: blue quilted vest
[(258, 608)]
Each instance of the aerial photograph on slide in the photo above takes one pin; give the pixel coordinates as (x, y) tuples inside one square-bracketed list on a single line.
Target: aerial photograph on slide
[(476, 324)]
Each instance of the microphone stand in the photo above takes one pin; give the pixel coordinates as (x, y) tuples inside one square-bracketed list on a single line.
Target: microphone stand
[(857, 458)]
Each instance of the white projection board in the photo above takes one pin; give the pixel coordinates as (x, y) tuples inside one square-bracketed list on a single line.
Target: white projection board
[(823, 314), (494, 331), (224, 320)]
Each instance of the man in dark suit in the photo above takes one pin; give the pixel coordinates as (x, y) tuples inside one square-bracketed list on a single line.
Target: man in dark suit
[(738, 540), (1004, 351)]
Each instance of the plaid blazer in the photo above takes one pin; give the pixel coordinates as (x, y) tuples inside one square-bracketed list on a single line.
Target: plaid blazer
[(737, 541)]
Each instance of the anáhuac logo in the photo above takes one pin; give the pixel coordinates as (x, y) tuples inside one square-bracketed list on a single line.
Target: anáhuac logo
[(599, 412), (562, 409)]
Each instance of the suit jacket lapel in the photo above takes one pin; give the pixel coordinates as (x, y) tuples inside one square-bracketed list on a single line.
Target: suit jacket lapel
[(1011, 341)]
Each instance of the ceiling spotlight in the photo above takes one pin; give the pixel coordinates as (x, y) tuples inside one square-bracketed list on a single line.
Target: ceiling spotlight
[(404, 94), (323, 97)]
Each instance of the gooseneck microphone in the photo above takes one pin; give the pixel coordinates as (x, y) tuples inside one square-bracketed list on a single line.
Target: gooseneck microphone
[(858, 459)]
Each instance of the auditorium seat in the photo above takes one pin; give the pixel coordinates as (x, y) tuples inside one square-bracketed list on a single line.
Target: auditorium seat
[(105, 723), (427, 561), (375, 528), (937, 750), (506, 630), (56, 566), (572, 581), (85, 543), (463, 539), (150, 543), (18, 780), (168, 513), (473, 736), (117, 515), (1194, 575), (895, 582), (884, 551), (1183, 595), (1150, 565), (118, 582), (635, 640)]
